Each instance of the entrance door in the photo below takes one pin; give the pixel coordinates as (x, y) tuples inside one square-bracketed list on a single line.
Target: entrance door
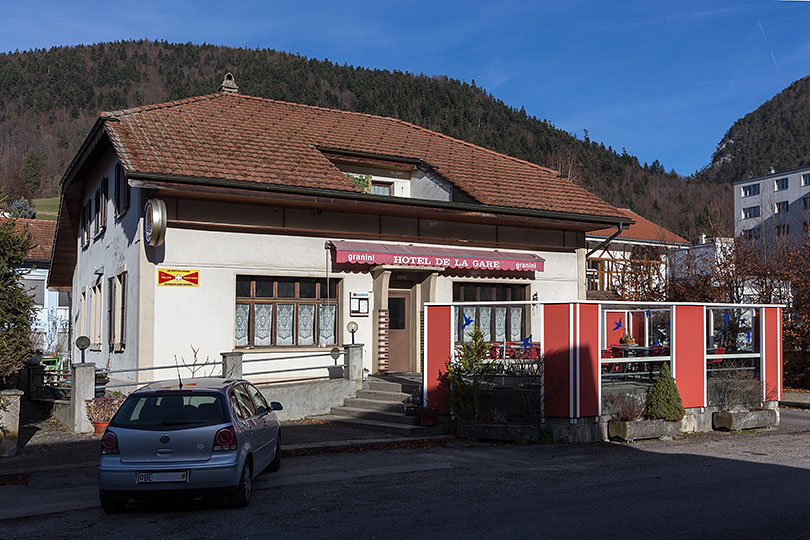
[(399, 330)]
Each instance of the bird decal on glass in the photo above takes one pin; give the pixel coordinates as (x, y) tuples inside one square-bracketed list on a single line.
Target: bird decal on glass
[(526, 341), (617, 325), (467, 321)]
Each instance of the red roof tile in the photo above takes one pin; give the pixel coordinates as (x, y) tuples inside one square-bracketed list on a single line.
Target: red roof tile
[(643, 229), (43, 232), (237, 137)]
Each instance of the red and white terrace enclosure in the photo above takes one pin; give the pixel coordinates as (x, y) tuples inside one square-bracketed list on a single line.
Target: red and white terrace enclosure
[(584, 363)]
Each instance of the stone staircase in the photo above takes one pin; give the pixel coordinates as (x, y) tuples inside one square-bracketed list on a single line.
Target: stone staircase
[(380, 406)]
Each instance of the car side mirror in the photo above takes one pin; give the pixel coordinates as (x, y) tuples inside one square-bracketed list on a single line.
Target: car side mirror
[(261, 410), (276, 406)]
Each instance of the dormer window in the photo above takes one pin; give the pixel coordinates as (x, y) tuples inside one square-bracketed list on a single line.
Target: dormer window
[(382, 188)]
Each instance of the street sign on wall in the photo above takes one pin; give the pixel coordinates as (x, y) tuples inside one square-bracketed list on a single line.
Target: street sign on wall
[(178, 277)]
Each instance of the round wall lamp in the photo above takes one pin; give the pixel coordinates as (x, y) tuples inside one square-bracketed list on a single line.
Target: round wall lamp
[(82, 342), (352, 327)]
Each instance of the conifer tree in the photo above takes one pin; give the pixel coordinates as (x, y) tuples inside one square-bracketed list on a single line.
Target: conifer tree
[(663, 399)]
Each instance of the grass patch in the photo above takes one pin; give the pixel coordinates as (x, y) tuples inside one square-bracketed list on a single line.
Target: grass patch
[(47, 208)]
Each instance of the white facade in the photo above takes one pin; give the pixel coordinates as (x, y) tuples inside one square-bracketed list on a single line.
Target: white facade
[(165, 325), (115, 249), (774, 206)]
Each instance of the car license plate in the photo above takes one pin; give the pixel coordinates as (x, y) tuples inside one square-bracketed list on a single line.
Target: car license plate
[(169, 476)]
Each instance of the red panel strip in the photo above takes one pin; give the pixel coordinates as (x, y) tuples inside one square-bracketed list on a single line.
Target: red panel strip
[(438, 336), (589, 359), (556, 323), (773, 354), (690, 350)]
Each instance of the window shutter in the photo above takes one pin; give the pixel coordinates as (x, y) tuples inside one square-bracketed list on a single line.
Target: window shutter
[(123, 318), (111, 312), (103, 204), (96, 220), (121, 191)]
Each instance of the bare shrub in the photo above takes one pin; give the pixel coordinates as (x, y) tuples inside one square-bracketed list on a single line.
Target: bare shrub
[(628, 406), (736, 386)]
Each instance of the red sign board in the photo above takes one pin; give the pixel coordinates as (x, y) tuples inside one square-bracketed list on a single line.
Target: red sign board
[(404, 255), (176, 277)]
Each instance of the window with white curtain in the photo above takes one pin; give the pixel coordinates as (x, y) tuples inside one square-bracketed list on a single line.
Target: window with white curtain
[(285, 312)]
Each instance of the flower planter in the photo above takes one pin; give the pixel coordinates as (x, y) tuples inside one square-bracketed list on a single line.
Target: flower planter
[(738, 421), (99, 427), (632, 430)]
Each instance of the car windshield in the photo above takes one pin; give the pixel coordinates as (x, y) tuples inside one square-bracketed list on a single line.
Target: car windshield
[(159, 410)]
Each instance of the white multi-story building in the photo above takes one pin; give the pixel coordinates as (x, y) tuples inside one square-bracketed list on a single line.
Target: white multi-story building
[(774, 206)]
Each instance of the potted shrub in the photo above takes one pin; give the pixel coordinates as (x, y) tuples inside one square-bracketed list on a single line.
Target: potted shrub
[(627, 339), (100, 411), (662, 415)]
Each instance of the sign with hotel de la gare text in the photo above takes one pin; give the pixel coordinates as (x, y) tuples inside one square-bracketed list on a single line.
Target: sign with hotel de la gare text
[(441, 261)]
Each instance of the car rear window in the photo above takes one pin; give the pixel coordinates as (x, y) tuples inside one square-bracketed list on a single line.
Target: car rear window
[(175, 410)]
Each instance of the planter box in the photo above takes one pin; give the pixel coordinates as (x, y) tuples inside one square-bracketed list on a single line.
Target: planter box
[(643, 429), (738, 421)]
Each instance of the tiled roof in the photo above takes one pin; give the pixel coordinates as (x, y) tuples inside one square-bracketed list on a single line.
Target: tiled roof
[(237, 137), (43, 232), (643, 229)]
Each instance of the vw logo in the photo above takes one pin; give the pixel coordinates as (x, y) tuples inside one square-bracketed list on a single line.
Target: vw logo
[(164, 438)]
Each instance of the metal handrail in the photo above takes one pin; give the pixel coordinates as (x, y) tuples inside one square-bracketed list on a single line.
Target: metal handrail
[(144, 383), (201, 366), (296, 357)]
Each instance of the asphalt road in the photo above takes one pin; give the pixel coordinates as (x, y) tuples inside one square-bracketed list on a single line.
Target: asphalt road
[(750, 485)]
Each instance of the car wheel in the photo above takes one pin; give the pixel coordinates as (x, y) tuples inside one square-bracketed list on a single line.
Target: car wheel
[(111, 504), (241, 497), (275, 465)]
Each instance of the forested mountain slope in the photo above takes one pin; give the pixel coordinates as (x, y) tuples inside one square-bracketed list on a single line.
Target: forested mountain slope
[(776, 134), (50, 98)]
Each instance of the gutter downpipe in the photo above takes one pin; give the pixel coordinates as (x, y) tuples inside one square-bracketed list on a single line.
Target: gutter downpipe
[(619, 228)]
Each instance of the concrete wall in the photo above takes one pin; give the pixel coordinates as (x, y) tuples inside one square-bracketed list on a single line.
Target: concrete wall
[(310, 398)]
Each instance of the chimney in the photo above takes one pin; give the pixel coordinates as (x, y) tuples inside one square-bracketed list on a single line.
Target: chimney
[(228, 85), (770, 171), (702, 239)]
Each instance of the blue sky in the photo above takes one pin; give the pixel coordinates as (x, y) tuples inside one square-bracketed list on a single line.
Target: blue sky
[(663, 79)]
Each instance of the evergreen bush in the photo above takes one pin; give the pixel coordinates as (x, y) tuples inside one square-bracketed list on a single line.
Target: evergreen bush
[(470, 376), (663, 399), (16, 306)]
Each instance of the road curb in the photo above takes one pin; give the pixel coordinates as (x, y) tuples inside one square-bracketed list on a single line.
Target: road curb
[(795, 404), (359, 444)]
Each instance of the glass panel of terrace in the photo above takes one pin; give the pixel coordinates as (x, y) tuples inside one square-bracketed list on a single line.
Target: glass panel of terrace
[(733, 374), (628, 370)]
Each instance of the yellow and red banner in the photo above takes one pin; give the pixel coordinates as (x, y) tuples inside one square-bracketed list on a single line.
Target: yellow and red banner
[(178, 277)]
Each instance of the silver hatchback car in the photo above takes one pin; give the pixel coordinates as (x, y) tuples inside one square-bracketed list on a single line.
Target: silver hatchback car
[(206, 436)]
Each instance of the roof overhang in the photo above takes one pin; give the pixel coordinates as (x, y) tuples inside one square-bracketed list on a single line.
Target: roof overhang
[(367, 203), (63, 255)]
